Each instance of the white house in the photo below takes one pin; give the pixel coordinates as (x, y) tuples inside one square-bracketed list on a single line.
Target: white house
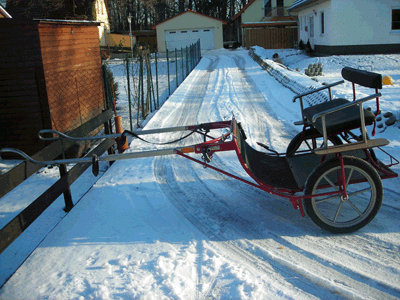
[(349, 27), (102, 17), (187, 28), (263, 15)]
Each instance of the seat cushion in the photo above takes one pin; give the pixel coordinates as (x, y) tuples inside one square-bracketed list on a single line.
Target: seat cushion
[(342, 120)]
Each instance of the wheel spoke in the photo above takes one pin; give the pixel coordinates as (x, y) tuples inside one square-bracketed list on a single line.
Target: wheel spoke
[(349, 177), (327, 199), (338, 211), (331, 183), (355, 208), (360, 191)]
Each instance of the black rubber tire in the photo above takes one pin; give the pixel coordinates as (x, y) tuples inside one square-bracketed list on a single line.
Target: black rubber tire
[(309, 134), (344, 216)]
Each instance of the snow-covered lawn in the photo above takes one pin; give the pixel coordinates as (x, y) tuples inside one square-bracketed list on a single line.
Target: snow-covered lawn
[(164, 228)]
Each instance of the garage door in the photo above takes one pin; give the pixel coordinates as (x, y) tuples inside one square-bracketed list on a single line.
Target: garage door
[(181, 38)]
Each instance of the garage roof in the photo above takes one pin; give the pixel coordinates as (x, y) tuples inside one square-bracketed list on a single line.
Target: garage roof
[(187, 11)]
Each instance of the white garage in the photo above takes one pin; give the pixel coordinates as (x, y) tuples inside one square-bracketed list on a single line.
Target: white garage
[(177, 39), (187, 28)]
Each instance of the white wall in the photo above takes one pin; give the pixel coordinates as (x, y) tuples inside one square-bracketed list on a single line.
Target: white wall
[(102, 16), (304, 21), (189, 20), (254, 13), (355, 22)]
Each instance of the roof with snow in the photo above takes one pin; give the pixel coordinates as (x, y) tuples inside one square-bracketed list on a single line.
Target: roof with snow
[(300, 3)]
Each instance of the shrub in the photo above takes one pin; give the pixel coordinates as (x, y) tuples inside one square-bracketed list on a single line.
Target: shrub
[(301, 45)]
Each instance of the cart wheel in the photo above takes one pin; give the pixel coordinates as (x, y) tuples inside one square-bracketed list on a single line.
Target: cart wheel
[(338, 215), (310, 135)]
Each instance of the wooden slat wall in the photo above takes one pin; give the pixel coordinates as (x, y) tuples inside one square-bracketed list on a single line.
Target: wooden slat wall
[(271, 37), (23, 106), (50, 78), (72, 66)]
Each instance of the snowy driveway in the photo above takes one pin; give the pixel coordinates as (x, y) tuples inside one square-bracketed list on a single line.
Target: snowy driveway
[(165, 228)]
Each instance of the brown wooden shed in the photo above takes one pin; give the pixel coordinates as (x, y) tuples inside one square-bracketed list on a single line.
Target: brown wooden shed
[(50, 78)]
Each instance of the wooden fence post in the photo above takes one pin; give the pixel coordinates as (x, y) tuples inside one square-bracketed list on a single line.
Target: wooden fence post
[(67, 193)]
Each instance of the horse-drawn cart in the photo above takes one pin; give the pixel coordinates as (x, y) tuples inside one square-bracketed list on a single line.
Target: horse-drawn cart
[(338, 179)]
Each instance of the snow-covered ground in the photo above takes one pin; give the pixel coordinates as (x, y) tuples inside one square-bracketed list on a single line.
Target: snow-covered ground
[(165, 228)]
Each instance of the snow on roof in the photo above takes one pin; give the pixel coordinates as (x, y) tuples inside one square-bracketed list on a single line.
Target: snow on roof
[(299, 3), (82, 22)]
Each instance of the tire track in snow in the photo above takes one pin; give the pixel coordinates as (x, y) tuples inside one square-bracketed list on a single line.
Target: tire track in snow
[(191, 105), (177, 195)]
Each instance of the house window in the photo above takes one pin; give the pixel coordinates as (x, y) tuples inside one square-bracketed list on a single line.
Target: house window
[(396, 19), (322, 22), (311, 26)]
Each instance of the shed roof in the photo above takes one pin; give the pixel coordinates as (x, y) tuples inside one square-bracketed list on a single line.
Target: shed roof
[(69, 22), (188, 11)]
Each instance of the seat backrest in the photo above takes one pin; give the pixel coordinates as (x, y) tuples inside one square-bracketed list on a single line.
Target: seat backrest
[(361, 77)]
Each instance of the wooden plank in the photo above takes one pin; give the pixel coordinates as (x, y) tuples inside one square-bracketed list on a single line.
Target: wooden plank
[(82, 54), (79, 55), (16, 74), (70, 64), (24, 170), (67, 30), (17, 87), (61, 45), (28, 81), (20, 93), (22, 65), (46, 38), (18, 58), (88, 66), (17, 225)]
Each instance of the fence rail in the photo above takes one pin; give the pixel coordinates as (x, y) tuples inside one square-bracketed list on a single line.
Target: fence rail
[(12, 178)]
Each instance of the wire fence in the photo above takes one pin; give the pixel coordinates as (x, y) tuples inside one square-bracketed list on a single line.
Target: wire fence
[(74, 97), (141, 84)]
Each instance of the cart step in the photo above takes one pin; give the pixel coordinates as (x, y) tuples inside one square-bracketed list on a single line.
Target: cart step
[(353, 146)]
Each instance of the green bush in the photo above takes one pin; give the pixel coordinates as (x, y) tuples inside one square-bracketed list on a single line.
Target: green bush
[(111, 83)]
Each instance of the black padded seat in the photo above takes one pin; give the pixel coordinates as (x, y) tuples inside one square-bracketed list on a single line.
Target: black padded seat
[(272, 170), (342, 120)]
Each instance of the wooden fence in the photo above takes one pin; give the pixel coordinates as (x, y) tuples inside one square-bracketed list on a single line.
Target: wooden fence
[(18, 174), (270, 37)]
